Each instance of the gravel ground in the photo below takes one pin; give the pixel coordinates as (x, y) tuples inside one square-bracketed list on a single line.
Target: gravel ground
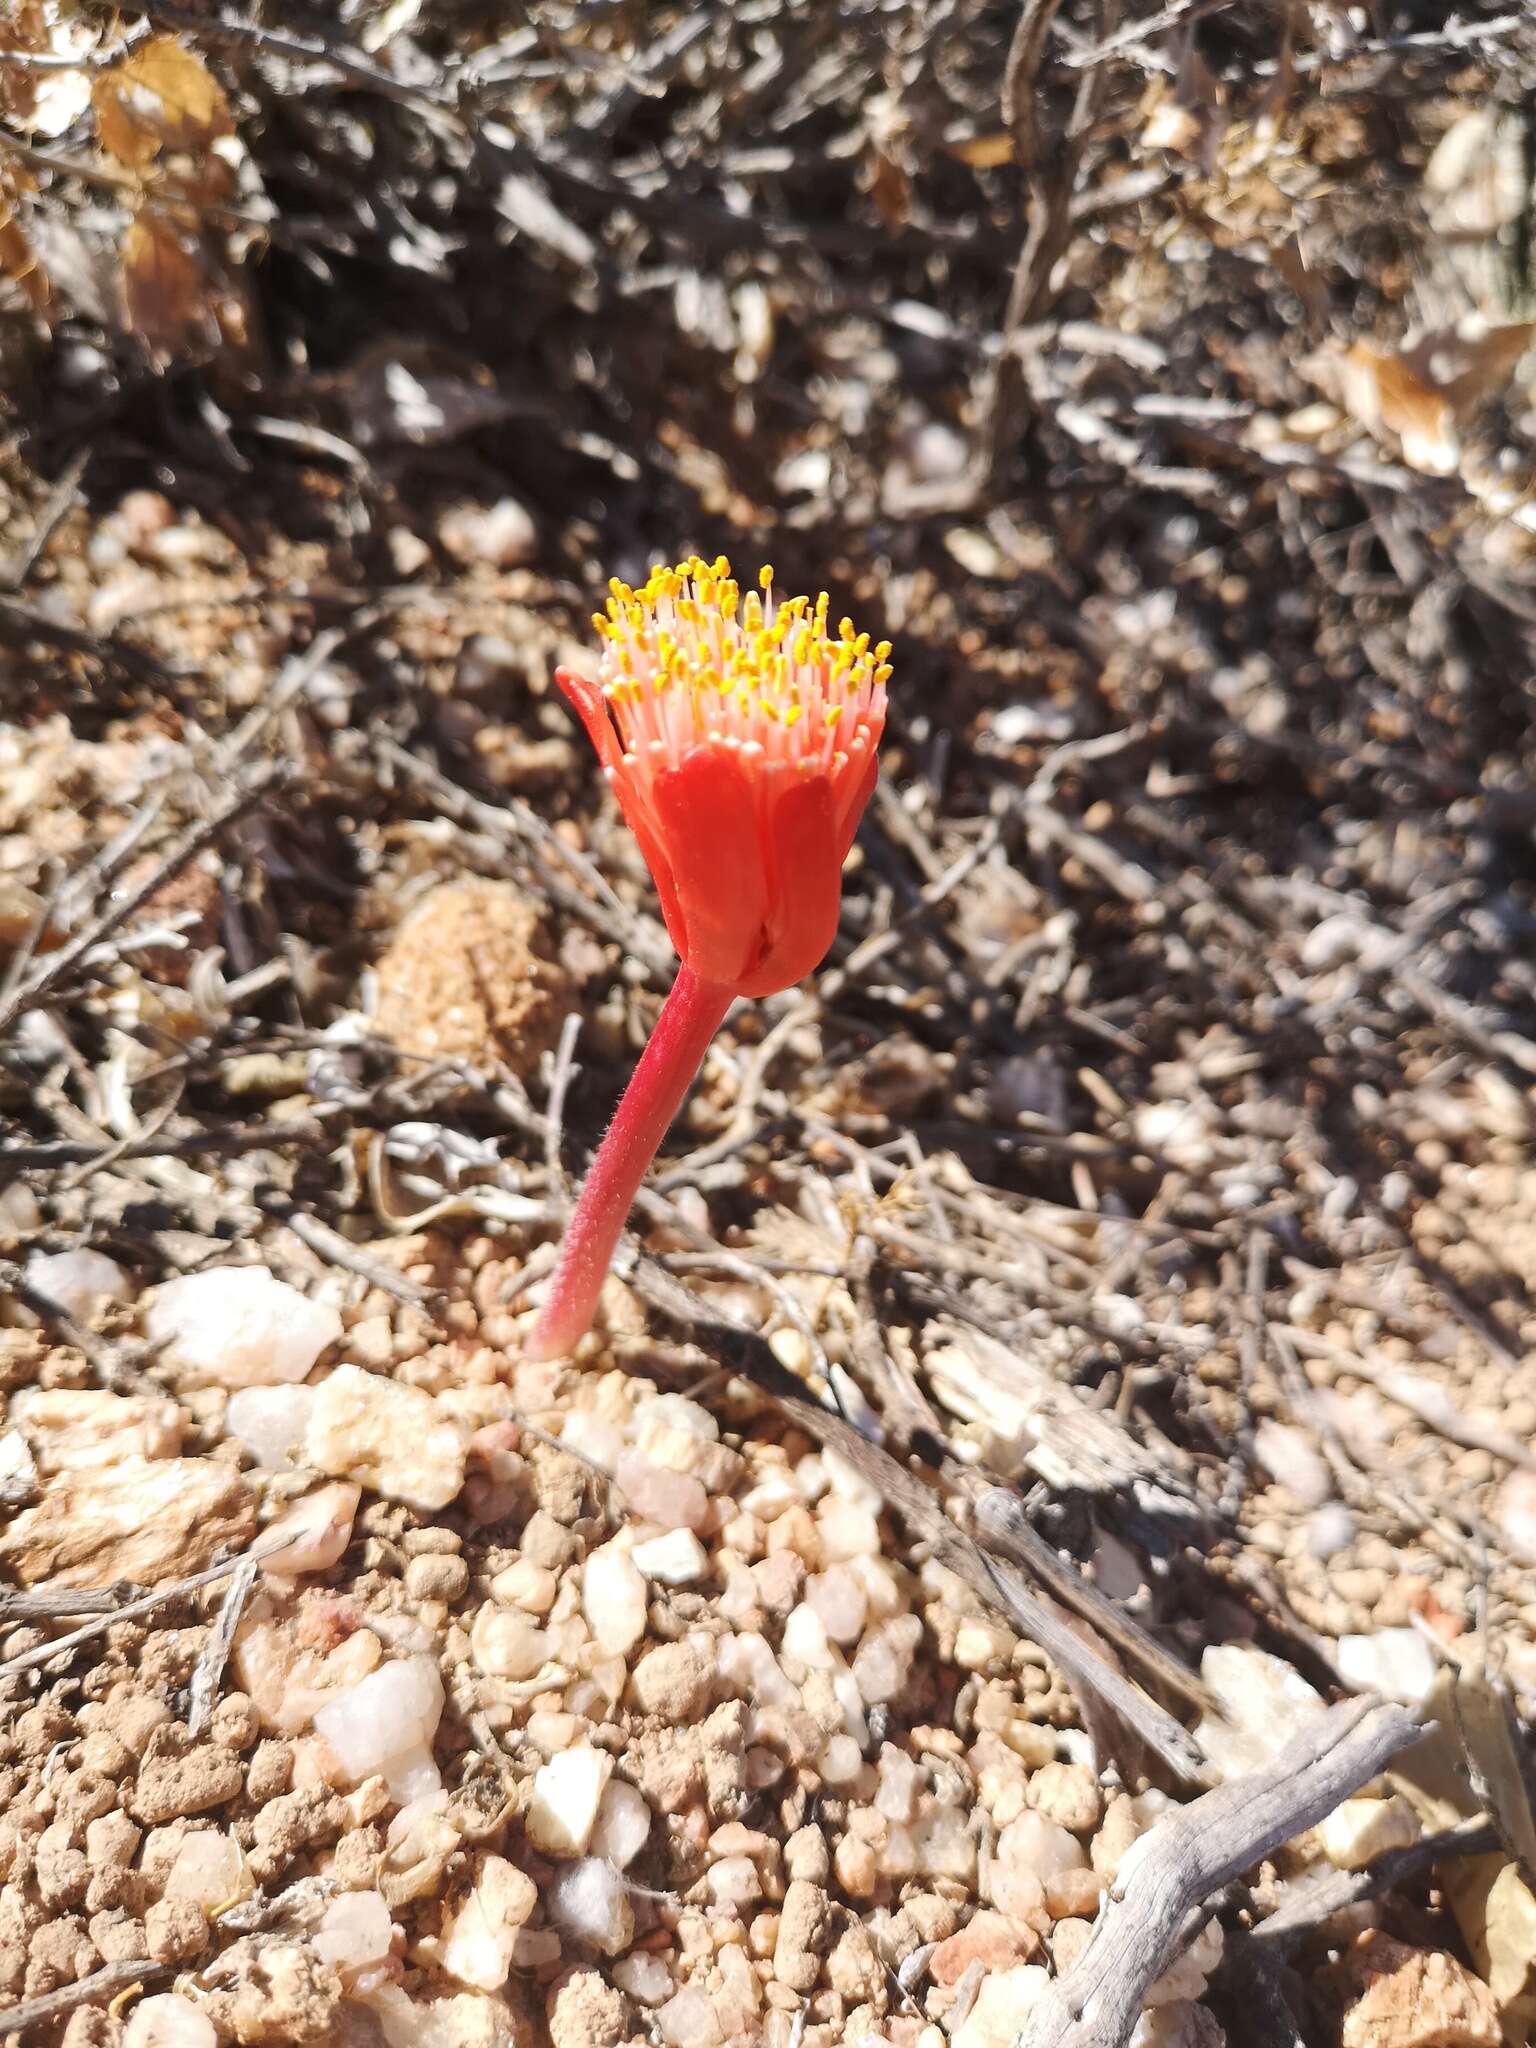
[(1062, 1348)]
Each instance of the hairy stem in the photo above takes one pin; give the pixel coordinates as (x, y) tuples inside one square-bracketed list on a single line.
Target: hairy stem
[(690, 1017)]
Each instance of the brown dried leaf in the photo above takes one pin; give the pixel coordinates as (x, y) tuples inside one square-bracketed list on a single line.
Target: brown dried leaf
[(984, 152), (18, 259), (166, 289), (891, 190), (1422, 395), (162, 97), (27, 32)]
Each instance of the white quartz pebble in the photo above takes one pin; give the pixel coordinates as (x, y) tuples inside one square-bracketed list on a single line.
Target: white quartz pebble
[(168, 2021), (355, 1930), (269, 1421), (386, 1724), (393, 1438), (79, 1282), (210, 1870), (567, 1792), (623, 1824), (240, 1326), (482, 1931), (613, 1600), (1396, 1662), (675, 1559)]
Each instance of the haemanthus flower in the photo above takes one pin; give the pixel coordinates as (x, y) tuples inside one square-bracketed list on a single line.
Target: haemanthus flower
[(739, 735)]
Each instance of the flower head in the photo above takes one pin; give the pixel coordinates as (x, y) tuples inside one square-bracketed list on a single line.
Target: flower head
[(739, 734)]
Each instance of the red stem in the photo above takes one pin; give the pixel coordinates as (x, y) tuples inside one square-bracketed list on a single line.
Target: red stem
[(689, 1019)]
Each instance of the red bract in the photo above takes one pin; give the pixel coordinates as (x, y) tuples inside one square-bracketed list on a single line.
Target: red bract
[(739, 736)]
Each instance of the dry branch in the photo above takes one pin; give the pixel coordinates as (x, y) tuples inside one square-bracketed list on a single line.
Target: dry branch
[(1192, 1853)]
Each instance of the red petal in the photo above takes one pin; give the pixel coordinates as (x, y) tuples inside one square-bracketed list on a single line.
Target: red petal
[(807, 885), (586, 699), (863, 791), (591, 707), (707, 812)]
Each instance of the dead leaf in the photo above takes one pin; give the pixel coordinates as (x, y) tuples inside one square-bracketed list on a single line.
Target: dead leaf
[(891, 190), (983, 152), (1423, 395), (161, 97), (1485, 1721), (1388, 399), (18, 258), (166, 292)]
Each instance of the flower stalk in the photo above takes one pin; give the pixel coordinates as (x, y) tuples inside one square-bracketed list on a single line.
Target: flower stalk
[(690, 1017)]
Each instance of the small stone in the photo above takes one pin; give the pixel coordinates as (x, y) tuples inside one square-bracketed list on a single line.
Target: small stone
[(1258, 1701), (384, 1726), (175, 1930), (1413, 1998), (1360, 1830), (18, 1471), (72, 1430), (240, 1326), (588, 1900), (1191, 1969), (1180, 2024), (355, 1931), (139, 1520), (1396, 1662), (676, 1559), (502, 535), (613, 1599), (806, 1856), (990, 1940), (178, 1782), (209, 1872), (1293, 1461), (839, 1602), (1330, 1529), (507, 1645), (80, 1283), (1072, 1895), (672, 1682), (882, 1666), (270, 1422), (586, 2012), (567, 1792), (444, 1578), (482, 1933), (314, 1533), (471, 975), (673, 1500), (1069, 1795), (623, 1824), (527, 1585), (805, 1926), (284, 1996), (1514, 1510), (392, 1438), (645, 1977), (688, 2020), (168, 2020), (1002, 2004)]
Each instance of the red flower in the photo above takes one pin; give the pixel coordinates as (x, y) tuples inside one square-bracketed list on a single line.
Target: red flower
[(740, 737), (740, 740)]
